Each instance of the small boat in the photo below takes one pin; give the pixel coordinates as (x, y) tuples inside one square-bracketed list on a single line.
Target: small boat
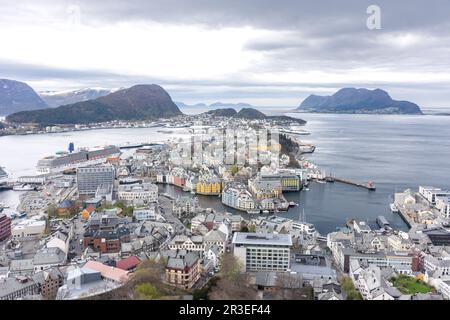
[(192, 192), (165, 131), (394, 208), (24, 187), (13, 215), (253, 211), (293, 204), (306, 189), (266, 211), (22, 215), (321, 181)]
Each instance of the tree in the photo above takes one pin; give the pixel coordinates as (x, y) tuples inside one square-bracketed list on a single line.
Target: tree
[(150, 271), (51, 211), (234, 169), (232, 284), (244, 227), (290, 287), (147, 291), (350, 290), (202, 294)]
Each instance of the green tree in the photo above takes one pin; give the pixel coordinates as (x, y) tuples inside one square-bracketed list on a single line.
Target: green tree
[(234, 169), (147, 291), (350, 290), (51, 211), (244, 227)]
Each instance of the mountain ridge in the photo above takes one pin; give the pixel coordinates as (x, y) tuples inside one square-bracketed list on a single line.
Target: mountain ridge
[(60, 98), (134, 103), (18, 96)]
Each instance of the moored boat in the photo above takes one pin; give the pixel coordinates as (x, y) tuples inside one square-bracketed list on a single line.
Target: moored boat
[(24, 187), (394, 208)]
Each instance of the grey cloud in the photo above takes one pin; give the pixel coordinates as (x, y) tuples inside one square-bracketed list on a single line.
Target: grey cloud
[(327, 36)]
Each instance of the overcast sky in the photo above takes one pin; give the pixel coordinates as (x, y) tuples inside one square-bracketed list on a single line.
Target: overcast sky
[(262, 52)]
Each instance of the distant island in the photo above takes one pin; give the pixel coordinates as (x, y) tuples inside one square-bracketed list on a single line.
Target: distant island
[(352, 100), (250, 114), (137, 102)]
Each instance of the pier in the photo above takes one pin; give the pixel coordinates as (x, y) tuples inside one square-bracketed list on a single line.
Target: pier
[(403, 213), (6, 186), (369, 186), (138, 145)]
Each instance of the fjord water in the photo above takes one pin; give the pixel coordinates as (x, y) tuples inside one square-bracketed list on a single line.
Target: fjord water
[(394, 151)]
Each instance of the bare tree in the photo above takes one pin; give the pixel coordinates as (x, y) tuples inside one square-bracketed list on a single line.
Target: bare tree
[(232, 283)]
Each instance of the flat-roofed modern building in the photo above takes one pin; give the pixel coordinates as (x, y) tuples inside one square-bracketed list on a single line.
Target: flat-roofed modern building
[(262, 251), (146, 192), (431, 193), (90, 178)]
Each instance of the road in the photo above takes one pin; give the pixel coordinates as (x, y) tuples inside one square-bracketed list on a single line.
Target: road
[(165, 207), (78, 231)]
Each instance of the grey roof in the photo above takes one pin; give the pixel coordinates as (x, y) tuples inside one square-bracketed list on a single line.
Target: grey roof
[(329, 296), (262, 239), (266, 278), (215, 235), (182, 260), (52, 255), (215, 249), (21, 265), (53, 273), (427, 296), (12, 284), (83, 276)]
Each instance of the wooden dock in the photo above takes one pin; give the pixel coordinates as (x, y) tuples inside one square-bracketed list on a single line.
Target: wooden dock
[(369, 186)]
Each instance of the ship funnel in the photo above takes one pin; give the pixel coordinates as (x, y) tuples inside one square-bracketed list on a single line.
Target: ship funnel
[(71, 147)]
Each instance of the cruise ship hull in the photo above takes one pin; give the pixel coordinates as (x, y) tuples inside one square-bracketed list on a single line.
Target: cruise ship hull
[(72, 161)]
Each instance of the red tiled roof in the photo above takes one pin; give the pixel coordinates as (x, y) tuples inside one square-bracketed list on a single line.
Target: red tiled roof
[(128, 263), (90, 209), (115, 274)]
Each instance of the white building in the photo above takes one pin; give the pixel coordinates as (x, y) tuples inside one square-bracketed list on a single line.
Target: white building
[(431, 193), (304, 227), (185, 205), (146, 192), (443, 204), (28, 228), (146, 213), (60, 240), (262, 251), (182, 242), (217, 238), (238, 197), (370, 284)]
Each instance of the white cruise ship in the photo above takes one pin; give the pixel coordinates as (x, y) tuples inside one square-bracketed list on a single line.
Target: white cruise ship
[(62, 161)]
